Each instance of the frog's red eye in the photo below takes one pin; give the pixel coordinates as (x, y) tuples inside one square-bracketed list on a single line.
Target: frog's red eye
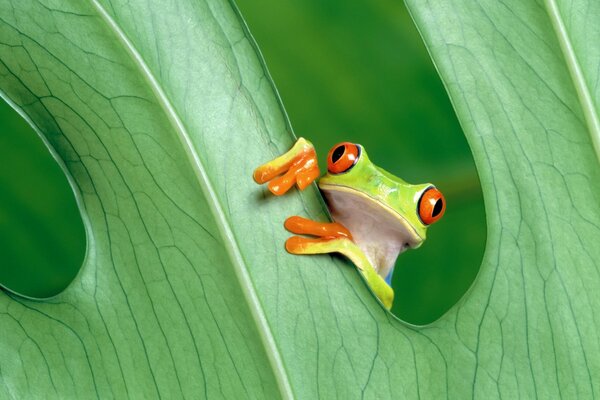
[(431, 206), (342, 157)]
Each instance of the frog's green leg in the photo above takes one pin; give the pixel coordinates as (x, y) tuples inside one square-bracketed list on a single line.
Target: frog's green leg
[(298, 165), (335, 238)]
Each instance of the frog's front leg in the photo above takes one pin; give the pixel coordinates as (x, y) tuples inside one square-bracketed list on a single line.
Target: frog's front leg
[(298, 165), (335, 238)]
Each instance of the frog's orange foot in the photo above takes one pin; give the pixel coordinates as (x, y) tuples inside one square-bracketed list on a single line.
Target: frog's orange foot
[(297, 166), (331, 236)]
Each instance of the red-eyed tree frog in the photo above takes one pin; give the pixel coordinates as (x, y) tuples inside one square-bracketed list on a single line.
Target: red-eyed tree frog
[(377, 215)]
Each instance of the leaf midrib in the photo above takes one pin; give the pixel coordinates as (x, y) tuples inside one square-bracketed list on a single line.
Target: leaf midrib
[(583, 93), (230, 241)]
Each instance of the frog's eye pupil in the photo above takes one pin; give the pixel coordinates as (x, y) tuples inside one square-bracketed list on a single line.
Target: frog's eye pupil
[(437, 208), (337, 153)]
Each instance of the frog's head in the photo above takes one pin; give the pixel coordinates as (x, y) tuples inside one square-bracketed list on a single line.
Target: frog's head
[(354, 185)]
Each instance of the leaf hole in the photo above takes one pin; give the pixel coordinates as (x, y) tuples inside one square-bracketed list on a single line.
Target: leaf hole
[(369, 80), (42, 236)]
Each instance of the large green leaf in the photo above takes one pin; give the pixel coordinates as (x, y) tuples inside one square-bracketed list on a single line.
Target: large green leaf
[(164, 304), (159, 113)]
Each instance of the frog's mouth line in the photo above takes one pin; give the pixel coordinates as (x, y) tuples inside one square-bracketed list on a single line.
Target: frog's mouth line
[(407, 226)]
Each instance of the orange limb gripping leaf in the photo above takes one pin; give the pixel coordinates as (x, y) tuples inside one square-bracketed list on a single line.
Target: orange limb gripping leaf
[(297, 166), (325, 231)]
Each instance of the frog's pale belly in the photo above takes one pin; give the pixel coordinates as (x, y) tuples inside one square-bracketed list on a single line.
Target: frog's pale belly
[(381, 233)]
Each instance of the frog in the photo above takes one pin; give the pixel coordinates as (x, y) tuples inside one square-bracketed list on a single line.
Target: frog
[(375, 215)]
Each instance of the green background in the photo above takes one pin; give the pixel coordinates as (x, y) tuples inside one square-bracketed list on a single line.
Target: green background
[(346, 70)]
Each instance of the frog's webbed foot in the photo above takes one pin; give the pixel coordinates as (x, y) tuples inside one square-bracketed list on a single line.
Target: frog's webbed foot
[(297, 166), (333, 237)]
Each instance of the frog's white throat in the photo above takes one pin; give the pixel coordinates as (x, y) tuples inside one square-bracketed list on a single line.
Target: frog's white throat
[(380, 232)]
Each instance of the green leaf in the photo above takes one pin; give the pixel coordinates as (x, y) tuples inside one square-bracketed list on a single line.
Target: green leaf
[(160, 113), (164, 304), (523, 80)]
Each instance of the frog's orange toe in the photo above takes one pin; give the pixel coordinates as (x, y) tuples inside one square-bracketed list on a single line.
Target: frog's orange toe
[(296, 245), (307, 177), (325, 230), (295, 224), (282, 184), (302, 245), (263, 174)]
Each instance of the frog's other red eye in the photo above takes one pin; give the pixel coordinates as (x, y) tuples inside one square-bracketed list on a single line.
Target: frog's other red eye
[(431, 206), (342, 157)]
